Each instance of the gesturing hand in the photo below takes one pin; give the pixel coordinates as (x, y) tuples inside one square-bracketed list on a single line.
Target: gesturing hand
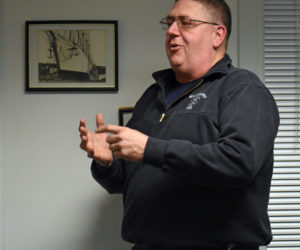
[(95, 143), (124, 142)]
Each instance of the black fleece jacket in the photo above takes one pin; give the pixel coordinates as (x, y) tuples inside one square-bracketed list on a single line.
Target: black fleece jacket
[(205, 177)]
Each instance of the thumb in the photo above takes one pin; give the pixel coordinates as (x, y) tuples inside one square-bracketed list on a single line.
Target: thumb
[(99, 120)]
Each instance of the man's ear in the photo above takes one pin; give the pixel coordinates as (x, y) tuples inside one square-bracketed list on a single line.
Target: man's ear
[(219, 36)]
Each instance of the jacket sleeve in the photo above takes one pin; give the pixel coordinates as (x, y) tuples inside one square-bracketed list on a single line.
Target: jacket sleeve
[(111, 178), (248, 123)]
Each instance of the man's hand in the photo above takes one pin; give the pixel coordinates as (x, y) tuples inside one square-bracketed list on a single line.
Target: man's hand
[(124, 142), (95, 143)]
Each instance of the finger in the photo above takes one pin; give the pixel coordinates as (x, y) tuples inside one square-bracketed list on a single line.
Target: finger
[(114, 147), (119, 154), (90, 154), (83, 131), (114, 129), (83, 142), (99, 120), (83, 145), (112, 139), (82, 123), (82, 126), (83, 138)]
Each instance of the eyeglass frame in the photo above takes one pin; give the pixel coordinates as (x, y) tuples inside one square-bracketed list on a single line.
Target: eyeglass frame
[(163, 21)]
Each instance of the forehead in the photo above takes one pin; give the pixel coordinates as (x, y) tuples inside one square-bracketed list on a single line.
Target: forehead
[(188, 8)]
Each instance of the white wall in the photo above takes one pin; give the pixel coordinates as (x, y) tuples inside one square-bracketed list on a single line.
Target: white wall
[(50, 201), (251, 39), (251, 36)]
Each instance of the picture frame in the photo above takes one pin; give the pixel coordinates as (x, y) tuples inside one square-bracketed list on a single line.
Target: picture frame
[(125, 113), (72, 55)]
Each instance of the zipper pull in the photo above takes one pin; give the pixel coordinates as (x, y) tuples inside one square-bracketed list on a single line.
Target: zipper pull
[(162, 117)]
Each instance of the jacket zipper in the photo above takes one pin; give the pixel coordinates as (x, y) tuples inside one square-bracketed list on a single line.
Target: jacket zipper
[(163, 115)]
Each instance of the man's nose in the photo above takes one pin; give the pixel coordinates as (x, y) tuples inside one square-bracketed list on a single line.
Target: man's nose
[(173, 29)]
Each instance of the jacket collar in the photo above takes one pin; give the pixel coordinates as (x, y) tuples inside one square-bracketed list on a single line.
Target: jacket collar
[(221, 67)]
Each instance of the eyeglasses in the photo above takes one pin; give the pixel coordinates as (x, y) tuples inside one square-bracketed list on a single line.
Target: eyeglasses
[(183, 22)]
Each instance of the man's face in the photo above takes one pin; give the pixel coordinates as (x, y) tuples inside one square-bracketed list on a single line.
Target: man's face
[(188, 48)]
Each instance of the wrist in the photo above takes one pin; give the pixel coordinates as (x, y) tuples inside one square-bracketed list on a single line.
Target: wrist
[(105, 164)]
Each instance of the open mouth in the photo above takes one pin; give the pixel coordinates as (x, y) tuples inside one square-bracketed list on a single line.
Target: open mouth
[(174, 46)]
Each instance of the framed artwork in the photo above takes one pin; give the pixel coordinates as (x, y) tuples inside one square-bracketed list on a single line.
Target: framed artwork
[(71, 55), (125, 114)]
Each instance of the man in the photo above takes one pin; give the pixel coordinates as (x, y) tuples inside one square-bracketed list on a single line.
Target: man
[(195, 163)]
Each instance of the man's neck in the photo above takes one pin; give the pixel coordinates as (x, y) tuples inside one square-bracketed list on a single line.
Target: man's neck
[(198, 72)]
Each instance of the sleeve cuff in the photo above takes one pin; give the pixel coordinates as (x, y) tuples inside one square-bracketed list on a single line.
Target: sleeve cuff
[(155, 152), (98, 170)]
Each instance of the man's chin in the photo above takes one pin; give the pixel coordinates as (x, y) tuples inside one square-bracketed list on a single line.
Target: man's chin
[(175, 58), (175, 65)]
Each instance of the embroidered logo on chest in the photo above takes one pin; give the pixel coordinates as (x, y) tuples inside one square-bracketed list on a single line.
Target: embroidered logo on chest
[(195, 98)]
